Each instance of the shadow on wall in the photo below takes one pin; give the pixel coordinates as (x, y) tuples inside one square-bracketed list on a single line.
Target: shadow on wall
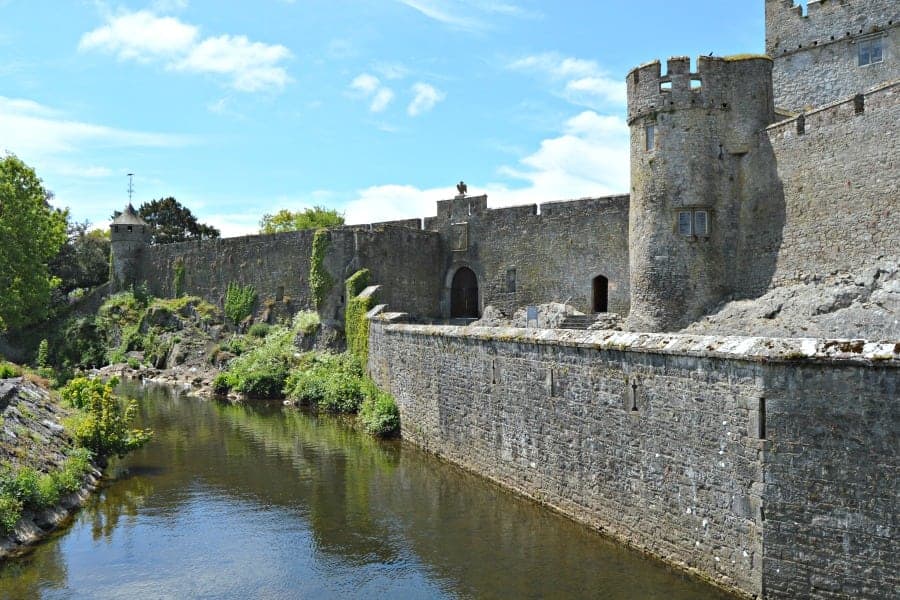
[(762, 222)]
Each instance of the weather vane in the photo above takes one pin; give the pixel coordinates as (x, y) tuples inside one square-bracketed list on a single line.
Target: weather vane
[(130, 186)]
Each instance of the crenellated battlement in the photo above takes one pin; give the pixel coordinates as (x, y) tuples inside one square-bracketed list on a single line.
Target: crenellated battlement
[(790, 29), (715, 84)]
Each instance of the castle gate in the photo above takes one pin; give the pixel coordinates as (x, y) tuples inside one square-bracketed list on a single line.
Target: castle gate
[(464, 294)]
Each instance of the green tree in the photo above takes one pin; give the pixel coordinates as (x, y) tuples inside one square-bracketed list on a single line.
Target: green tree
[(309, 218), (173, 222), (32, 232), (83, 261)]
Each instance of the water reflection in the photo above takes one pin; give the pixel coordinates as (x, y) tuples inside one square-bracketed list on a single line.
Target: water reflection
[(262, 501)]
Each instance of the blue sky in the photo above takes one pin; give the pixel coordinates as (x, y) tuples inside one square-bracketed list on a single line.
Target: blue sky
[(373, 107)]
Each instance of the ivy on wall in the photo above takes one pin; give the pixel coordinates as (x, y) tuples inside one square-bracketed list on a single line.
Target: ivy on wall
[(356, 326), (239, 301), (320, 281), (178, 280)]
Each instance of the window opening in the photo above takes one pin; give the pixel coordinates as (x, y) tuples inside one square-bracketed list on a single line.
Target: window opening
[(665, 86), (701, 223), (130, 229), (693, 223), (870, 52), (601, 294), (510, 280), (650, 133)]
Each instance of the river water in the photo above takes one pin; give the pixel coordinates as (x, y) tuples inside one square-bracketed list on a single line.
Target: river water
[(261, 501)]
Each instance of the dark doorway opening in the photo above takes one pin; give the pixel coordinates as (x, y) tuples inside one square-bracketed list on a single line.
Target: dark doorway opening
[(601, 294), (464, 295)]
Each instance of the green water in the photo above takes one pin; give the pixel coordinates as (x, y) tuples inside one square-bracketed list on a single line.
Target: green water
[(266, 502)]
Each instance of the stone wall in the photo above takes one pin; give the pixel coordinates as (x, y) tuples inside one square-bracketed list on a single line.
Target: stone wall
[(816, 55), (700, 450), (404, 261), (840, 178), (555, 251)]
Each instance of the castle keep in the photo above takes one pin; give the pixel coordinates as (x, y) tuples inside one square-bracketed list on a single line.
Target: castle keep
[(766, 464)]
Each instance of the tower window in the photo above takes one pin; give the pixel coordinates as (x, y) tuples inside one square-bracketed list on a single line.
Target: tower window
[(650, 134), (871, 51), (510, 280), (693, 223), (130, 228)]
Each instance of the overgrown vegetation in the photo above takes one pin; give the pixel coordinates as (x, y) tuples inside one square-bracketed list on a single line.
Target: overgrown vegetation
[(261, 371), (309, 218), (306, 322), (102, 424), (356, 326), (239, 300), (178, 279), (320, 280), (25, 488)]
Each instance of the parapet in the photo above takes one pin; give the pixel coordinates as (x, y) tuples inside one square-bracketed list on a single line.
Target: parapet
[(460, 207), (718, 83), (789, 29)]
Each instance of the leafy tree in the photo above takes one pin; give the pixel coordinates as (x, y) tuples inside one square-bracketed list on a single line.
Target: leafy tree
[(83, 261), (173, 222), (309, 218), (32, 232)]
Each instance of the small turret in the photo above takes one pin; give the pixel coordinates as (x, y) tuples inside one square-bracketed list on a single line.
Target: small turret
[(129, 235), (693, 136)]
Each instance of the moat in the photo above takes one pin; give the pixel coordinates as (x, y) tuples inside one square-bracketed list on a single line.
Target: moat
[(233, 501)]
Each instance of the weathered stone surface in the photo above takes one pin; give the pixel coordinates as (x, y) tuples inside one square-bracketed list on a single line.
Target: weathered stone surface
[(658, 440)]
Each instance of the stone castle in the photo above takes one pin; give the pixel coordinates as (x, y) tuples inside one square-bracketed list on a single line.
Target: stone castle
[(767, 465)]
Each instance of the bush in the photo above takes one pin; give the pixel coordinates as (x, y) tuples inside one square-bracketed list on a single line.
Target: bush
[(306, 322), (43, 354), (239, 301), (261, 372), (103, 426), (7, 370), (379, 413), (342, 392), (259, 330), (10, 512), (330, 381)]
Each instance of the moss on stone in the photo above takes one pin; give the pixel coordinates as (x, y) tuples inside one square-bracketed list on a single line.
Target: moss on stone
[(320, 280)]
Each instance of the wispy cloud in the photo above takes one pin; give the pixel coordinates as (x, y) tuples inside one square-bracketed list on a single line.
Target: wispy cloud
[(425, 97), (470, 15), (368, 86), (580, 81), (145, 37), (43, 135)]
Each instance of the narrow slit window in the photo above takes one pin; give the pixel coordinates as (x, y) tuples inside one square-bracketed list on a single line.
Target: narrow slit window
[(510, 280), (650, 132)]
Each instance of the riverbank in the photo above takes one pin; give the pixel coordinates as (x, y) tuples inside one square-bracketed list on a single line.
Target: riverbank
[(36, 454)]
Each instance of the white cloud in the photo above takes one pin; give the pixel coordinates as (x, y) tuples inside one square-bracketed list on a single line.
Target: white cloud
[(369, 86), (365, 83), (588, 158), (583, 82), (234, 224), (145, 37), (140, 36), (470, 15), (252, 66), (40, 135), (424, 99), (380, 101)]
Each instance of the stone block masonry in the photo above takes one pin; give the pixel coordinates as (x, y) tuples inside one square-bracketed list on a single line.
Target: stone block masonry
[(768, 466)]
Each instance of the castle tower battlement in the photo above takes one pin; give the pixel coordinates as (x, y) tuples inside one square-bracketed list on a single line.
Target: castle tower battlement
[(833, 50), (129, 234), (695, 140)]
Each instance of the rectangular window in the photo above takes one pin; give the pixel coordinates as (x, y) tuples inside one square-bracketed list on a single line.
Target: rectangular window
[(510, 280), (871, 51), (650, 132), (684, 223), (701, 224)]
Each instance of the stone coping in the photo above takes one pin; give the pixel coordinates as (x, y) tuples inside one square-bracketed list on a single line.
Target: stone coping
[(747, 348)]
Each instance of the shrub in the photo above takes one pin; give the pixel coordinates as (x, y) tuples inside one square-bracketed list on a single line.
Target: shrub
[(306, 322), (379, 413), (69, 478), (330, 381), (259, 330), (261, 372), (8, 370), (221, 383), (239, 301), (43, 354), (103, 425), (10, 512)]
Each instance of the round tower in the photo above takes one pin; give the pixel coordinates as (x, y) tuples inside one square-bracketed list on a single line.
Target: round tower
[(129, 234), (691, 134)]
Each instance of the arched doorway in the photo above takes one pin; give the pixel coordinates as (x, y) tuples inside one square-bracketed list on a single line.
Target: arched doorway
[(464, 294), (601, 294)]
